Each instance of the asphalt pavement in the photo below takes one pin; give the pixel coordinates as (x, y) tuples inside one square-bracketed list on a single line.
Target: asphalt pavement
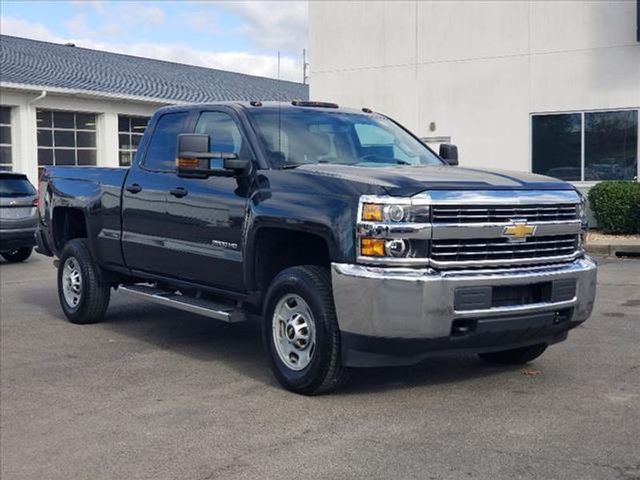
[(153, 393)]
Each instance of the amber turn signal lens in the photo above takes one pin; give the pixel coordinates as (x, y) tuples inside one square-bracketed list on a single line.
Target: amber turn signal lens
[(372, 247), (187, 162), (372, 212)]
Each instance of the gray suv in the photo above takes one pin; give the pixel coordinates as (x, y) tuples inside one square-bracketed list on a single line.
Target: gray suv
[(18, 216)]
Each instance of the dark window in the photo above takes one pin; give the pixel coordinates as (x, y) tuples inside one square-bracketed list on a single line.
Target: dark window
[(15, 186), (556, 145), (130, 130), (161, 154), (611, 145), (224, 134), (66, 138), (5, 139)]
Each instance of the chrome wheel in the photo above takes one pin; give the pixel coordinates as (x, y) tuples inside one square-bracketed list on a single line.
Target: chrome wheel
[(294, 331), (71, 282)]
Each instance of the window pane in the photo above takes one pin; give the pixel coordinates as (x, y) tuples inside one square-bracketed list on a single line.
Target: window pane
[(161, 154), (223, 132), (45, 138), (5, 168), (65, 157), (64, 138), (43, 118), (86, 157), (63, 120), (125, 159), (5, 154), (45, 156), (556, 145), (138, 124), (123, 123), (5, 135), (5, 115), (85, 121), (611, 145), (135, 141), (86, 139), (124, 141)]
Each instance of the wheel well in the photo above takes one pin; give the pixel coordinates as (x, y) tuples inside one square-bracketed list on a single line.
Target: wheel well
[(277, 249), (67, 224)]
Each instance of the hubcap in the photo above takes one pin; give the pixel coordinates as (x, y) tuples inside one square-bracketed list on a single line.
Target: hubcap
[(71, 282), (294, 331)]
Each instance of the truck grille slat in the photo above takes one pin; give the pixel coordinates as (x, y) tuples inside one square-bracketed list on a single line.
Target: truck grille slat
[(490, 213)]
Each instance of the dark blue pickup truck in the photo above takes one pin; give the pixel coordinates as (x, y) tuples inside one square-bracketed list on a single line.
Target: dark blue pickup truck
[(353, 242)]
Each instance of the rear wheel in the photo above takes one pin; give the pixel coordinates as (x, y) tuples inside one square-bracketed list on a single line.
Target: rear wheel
[(516, 356), (83, 296), (300, 331), (17, 255)]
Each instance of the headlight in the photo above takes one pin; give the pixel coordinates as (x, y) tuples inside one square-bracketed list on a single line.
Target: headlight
[(394, 213)]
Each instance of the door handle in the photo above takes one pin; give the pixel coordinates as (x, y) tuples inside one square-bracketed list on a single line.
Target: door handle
[(134, 188), (179, 192)]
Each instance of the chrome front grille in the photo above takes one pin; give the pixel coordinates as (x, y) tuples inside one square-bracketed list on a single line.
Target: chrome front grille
[(449, 251), (500, 213)]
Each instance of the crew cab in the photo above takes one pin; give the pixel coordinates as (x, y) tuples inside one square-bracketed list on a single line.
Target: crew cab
[(353, 242)]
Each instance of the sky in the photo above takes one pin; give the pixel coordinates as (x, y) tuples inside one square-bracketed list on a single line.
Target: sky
[(238, 36)]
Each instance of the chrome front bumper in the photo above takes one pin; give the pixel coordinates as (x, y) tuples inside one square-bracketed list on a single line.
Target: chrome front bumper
[(405, 303)]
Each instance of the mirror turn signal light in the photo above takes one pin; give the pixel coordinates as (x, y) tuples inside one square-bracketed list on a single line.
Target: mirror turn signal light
[(372, 212), (372, 247), (187, 162)]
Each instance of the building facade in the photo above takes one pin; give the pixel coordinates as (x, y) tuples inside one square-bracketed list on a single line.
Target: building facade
[(551, 87), (65, 105)]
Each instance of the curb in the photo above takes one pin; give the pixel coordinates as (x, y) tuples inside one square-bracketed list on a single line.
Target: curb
[(610, 250)]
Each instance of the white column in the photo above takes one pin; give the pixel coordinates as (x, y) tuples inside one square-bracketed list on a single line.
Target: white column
[(107, 140), (25, 140)]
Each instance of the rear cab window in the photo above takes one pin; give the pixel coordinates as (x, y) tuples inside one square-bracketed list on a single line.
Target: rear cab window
[(15, 186), (161, 152)]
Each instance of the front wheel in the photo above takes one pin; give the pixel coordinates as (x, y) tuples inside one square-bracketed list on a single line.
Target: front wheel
[(83, 296), (300, 331), (517, 356), (18, 255)]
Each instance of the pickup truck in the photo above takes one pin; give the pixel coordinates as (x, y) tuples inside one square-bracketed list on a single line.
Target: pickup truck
[(350, 241)]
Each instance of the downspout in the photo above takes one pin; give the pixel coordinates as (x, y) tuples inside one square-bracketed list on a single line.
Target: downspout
[(38, 98)]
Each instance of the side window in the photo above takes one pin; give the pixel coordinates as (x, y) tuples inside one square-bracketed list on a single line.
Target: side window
[(377, 142), (224, 134), (161, 153)]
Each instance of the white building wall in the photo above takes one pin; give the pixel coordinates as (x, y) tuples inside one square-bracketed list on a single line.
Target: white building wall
[(476, 69), (24, 133)]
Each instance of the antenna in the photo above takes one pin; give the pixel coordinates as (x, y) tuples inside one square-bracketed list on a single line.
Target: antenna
[(278, 64)]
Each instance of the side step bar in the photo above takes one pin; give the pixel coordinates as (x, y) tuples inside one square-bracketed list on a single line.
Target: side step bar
[(219, 311)]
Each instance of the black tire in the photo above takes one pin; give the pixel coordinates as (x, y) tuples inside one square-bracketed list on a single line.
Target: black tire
[(324, 372), (517, 356), (94, 295), (18, 255)]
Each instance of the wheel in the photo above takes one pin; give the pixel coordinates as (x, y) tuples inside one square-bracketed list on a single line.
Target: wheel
[(18, 255), (300, 331), (516, 356), (83, 295)]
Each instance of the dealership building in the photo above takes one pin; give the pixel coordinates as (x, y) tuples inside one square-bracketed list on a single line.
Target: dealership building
[(545, 86), (66, 105)]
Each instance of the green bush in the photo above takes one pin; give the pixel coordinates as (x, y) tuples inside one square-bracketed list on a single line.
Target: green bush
[(616, 206)]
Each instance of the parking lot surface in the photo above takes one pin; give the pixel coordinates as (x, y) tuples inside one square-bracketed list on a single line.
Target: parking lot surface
[(153, 393)]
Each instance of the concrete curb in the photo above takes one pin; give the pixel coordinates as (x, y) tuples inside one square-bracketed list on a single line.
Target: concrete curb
[(613, 250)]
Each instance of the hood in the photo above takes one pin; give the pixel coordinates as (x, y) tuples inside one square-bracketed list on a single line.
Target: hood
[(407, 180)]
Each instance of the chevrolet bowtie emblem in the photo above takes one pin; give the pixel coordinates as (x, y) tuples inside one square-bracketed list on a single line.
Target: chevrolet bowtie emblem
[(519, 231)]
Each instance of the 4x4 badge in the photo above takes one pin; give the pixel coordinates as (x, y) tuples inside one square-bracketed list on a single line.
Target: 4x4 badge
[(519, 231)]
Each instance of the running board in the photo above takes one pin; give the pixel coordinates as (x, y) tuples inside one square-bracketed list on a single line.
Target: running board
[(219, 311)]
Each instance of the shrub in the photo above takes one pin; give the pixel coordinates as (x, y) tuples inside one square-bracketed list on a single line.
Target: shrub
[(616, 206)]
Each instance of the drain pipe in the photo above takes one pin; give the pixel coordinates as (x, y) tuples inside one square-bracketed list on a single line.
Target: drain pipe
[(38, 98)]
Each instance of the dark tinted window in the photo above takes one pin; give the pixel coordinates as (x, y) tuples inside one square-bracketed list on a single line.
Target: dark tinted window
[(556, 145), (161, 153), (224, 134), (611, 145), (15, 187)]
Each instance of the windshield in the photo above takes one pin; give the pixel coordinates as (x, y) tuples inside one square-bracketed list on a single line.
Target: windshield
[(14, 186), (303, 136)]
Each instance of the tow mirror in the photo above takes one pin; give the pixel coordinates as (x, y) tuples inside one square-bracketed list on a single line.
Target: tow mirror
[(449, 153), (194, 160)]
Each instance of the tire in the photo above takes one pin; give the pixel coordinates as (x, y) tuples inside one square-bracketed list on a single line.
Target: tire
[(18, 255), (307, 291), (517, 356), (89, 302)]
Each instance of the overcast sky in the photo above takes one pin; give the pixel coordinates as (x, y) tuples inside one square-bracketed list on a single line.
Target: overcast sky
[(239, 36)]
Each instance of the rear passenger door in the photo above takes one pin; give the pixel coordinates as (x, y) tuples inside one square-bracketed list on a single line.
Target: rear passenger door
[(144, 200), (206, 216)]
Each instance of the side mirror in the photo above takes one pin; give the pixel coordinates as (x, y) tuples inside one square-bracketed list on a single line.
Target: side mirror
[(194, 160), (449, 153)]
